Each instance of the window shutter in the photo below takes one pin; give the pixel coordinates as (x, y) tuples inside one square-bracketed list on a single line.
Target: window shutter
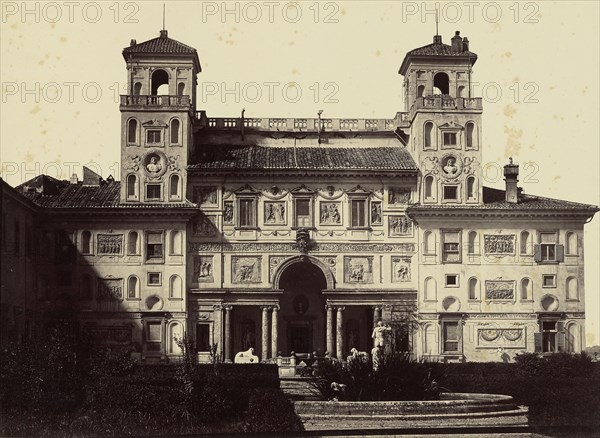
[(537, 341), (560, 253), (537, 253), (560, 342)]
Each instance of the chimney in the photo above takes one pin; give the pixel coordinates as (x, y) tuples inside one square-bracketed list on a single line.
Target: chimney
[(437, 39), (163, 33), (74, 179), (457, 41), (132, 43), (511, 176), (465, 45)]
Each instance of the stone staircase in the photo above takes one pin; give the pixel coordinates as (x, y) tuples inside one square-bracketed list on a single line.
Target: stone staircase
[(299, 389)]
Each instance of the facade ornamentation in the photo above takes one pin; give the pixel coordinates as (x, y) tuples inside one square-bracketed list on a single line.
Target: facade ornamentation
[(358, 269), (303, 242), (203, 269), (275, 213), (499, 244), (155, 165), (451, 167), (228, 213), (399, 195), (246, 269), (291, 247), (330, 213), (400, 226), (400, 269), (110, 289), (499, 290), (205, 196), (109, 244)]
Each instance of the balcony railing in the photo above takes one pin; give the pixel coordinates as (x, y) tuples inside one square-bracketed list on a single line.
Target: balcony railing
[(446, 103), (299, 125), (152, 101)]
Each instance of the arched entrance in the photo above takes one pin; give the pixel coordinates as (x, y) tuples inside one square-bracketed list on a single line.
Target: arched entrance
[(302, 328)]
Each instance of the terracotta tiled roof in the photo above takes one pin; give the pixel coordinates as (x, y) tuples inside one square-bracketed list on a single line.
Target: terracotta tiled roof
[(160, 45), (252, 157), (494, 199), (62, 194), (439, 49)]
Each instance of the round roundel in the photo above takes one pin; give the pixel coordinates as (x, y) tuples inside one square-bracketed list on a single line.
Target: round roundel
[(512, 334), (451, 166), (155, 164), (549, 303), (154, 302), (451, 304)]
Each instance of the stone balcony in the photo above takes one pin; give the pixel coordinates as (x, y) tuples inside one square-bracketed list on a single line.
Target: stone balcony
[(446, 103), (148, 101), (297, 124)]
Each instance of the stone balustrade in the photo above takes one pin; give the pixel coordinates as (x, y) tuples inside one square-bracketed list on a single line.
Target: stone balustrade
[(128, 100)]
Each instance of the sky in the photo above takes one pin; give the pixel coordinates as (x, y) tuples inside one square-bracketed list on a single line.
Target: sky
[(61, 72)]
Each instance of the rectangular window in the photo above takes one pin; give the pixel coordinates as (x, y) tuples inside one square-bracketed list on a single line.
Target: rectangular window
[(451, 280), (358, 212), (548, 280), (551, 338), (153, 336), (303, 213), (449, 138), (154, 279), (247, 213), (450, 193), (203, 337), (153, 136), (153, 192), (548, 249), (154, 245), (451, 247), (451, 337)]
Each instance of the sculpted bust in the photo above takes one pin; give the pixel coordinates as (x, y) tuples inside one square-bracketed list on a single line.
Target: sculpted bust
[(154, 165)]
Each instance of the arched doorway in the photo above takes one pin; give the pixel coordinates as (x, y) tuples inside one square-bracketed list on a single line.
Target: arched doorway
[(302, 328)]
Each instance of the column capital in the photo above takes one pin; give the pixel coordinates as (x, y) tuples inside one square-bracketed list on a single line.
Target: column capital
[(217, 306), (227, 307), (276, 308), (340, 309), (377, 307), (265, 307), (329, 307)]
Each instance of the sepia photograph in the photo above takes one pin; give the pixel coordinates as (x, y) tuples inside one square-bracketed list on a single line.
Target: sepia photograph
[(303, 218)]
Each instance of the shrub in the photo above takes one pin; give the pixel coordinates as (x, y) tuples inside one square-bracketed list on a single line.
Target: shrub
[(271, 411), (396, 377)]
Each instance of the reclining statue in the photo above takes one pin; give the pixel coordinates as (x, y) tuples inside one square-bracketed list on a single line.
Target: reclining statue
[(246, 357)]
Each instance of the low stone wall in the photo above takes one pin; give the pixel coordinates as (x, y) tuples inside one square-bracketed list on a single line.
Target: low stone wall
[(452, 410)]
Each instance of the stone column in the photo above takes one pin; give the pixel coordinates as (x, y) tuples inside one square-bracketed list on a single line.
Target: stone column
[(218, 329), (330, 338), (339, 333), (227, 309), (265, 333), (274, 328)]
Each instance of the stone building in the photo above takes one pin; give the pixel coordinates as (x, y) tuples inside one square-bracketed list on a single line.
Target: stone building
[(297, 235)]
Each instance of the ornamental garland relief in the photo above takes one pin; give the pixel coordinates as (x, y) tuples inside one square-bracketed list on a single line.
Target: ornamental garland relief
[(499, 290)]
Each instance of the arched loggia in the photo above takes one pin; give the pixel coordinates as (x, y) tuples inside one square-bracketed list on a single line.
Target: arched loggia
[(329, 278)]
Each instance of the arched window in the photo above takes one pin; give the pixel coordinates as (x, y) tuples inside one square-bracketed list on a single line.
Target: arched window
[(132, 131), (175, 187), (133, 287), (132, 187), (137, 88), (430, 346), (472, 243), (175, 287), (160, 83), (176, 242), (428, 242), (86, 242), (180, 88), (461, 91), (132, 243), (572, 338), (429, 188), (175, 333), (471, 190), (470, 128), (85, 288), (525, 242), (572, 289), (420, 90), (526, 289), (571, 243), (427, 135), (430, 289), (441, 84), (473, 288), (175, 131)]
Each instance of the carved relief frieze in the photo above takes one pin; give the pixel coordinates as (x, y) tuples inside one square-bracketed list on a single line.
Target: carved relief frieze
[(499, 244), (203, 269), (109, 244), (358, 269), (500, 290), (400, 269), (292, 248)]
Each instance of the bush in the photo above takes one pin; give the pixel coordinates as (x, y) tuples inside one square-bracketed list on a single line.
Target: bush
[(557, 364), (396, 377), (271, 411)]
